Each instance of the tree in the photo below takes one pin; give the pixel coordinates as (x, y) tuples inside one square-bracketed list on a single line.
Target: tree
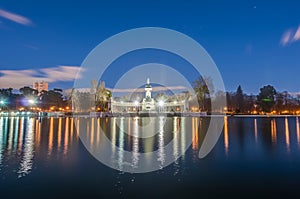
[(239, 98), (6, 98), (161, 96), (279, 101), (52, 98), (203, 87), (28, 92), (102, 95), (266, 98)]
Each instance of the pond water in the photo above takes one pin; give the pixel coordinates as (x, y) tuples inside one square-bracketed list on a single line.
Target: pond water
[(46, 158)]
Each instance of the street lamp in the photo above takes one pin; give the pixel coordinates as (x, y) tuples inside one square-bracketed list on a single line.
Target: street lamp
[(31, 101), (161, 105), (1, 104), (136, 103)]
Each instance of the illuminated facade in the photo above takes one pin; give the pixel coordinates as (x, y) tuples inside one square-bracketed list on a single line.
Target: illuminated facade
[(40, 86), (148, 104)]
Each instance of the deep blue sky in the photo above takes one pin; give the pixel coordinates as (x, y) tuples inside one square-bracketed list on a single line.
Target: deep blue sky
[(242, 37)]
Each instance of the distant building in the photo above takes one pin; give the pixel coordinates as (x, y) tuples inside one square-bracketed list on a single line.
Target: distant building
[(148, 104), (40, 86)]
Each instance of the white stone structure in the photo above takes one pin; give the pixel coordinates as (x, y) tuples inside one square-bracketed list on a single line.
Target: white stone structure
[(148, 104)]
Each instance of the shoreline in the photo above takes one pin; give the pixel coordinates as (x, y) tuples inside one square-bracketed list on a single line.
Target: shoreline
[(130, 114)]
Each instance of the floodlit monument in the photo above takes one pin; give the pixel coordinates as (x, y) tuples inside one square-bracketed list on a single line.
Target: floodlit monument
[(149, 104)]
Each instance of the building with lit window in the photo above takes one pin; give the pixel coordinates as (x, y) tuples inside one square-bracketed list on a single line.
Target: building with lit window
[(40, 86)]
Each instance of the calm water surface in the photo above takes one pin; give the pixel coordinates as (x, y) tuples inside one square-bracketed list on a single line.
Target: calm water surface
[(45, 158)]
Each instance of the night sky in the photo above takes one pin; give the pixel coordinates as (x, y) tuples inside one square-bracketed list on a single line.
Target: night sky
[(253, 43)]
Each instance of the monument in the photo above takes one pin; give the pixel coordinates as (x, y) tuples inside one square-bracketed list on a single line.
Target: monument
[(148, 103)]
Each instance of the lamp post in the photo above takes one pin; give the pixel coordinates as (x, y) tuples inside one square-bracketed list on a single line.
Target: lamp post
[(2, 103), (136, 104), (161, 105)]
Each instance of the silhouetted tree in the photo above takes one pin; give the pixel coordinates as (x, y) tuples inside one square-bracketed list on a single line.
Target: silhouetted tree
[(266, 98), (239, 99), (28, 92), (201, 86)]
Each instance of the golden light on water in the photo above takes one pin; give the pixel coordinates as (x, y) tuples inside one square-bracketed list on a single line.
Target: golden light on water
[(226, 139), (50, 139), (98, 131), (66, 139), (59, 133), (92, 131), (287, 134), (195, 138), (298, 131), (273, 131)]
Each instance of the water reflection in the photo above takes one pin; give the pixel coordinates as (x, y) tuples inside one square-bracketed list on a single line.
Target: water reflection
[(255, 129), (287, 134), (298, 131), (226, 139), (135, 150), (51, 133), (273, 131), (27, 160), (23, 138), (25, 141), (1, 140)]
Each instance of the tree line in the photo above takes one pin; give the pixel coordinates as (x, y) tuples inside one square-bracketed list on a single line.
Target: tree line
[(29, 99), (268, 100)]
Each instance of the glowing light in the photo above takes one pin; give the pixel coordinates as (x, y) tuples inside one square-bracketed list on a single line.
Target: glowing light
[(136, 103), (161, 103), (31, 101), (2, 102)]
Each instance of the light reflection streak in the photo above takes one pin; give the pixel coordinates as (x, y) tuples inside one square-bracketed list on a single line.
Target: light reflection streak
[(5, 130), (121, 145), (16, 134), (114, 132), (50, 138), (175, 139), (183, 138), (195, 139), (27, 160), (226, 138), (298, 131), (66, 139), (129, 132), (273, 131), (255, 129), (135, 147), (59, 134), (37, 132), (20, 138), (161, 151), (92, 131), (98, 131), (287, 134), (1, 139), (72, 127), (10, 135), (77, 128)]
